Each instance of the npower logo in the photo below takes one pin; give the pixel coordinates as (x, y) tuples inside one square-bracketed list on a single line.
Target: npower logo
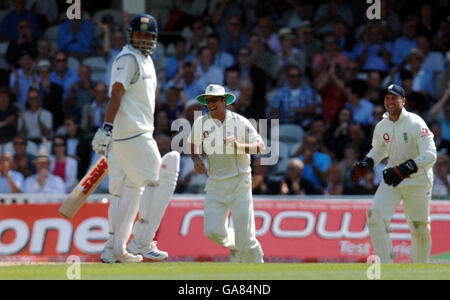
[(86, 236), (316, 225)]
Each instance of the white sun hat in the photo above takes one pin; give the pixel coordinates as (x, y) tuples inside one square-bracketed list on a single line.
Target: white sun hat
[(215, 90)]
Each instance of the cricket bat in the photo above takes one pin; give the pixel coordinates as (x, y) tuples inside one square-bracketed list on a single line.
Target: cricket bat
[(84, 189)]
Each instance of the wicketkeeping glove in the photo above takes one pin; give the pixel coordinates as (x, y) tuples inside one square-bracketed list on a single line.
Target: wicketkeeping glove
[(393, 176), (361, 168), (103, 139)]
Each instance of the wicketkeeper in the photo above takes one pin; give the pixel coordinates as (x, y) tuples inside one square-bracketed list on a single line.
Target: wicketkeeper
[(405, 139)]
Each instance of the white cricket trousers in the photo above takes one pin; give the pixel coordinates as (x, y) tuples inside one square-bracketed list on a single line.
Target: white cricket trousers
[(416, 196), (232, 194)]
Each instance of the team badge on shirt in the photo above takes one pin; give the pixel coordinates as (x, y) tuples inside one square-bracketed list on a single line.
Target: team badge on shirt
[(386, 138), (205, 134)]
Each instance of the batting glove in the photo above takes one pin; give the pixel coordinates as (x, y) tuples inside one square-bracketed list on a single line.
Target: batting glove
[(361, 168), (393, 176), (103, 139)]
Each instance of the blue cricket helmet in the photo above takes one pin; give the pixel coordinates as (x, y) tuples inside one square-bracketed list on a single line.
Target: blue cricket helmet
[(143, 23)]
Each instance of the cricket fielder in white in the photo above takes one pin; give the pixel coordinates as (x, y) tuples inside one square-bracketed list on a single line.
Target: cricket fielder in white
[(227, 139), (137, 174), (405, 139)]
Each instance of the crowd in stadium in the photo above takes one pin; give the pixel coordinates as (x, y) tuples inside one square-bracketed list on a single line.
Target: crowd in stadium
[(319, 67)]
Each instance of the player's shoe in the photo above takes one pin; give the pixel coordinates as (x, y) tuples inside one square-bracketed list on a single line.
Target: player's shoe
[(129, 258), (152, 253), (234, 256), (108, 256)]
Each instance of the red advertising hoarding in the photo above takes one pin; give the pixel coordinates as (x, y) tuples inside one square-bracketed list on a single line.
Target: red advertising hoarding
[(305, 230)]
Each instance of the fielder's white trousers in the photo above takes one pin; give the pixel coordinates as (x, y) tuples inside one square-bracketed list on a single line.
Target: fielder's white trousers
[(232, 194)]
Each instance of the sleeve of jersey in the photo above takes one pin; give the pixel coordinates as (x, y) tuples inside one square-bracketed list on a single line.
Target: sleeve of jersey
[(427, 147), (378, 151), (124, 70), (253, 135)]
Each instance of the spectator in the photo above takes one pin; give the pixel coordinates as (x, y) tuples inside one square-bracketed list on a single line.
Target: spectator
[(64, 76), (377, 116), (247, 105), (296, 12), (374, 53), (75, 37), (94, 113), (26, 42), (330, 12), (78, 143), (51, 93), (269, 37), (328, 69), (316, 163), (173, 105), (441, 187), (428, 20), (8, 116), (221, 11), (163, 141), (422, 82), (8, 28), (234, 37), (44, 50), (335, 182), (359, 139), (190, 181), (43, 181), (186, 81), (337, 134), (192, 110), (318, 129), (362, 109), (262, 57), (433, 60), (21, 80), (198, 37), (222, 59), (289, 55), (175, 62), (162, 124), (111, 50), (232, 81), (404, 44), (350, 157), (35, 123), (308, 42), (23, 161), (350, 71), (209, 74), (11, 182), (83, 91), (374, 93), (261, 183), (45, 10), (248, 70), (417, 102), (63, 166), (389, 15), (296, 102), (294, 183), (440, 113), (442, 146), (344, 37)]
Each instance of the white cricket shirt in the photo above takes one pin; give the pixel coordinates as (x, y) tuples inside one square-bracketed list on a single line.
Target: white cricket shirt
[(221, 163), (407, 138), (137, 75)]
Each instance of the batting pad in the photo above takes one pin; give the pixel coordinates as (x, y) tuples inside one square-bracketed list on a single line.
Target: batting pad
[(155, 200), (379, 234), (420, 241)]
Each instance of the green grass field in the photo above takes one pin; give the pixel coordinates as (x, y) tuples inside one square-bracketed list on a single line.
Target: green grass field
[(223, 271)]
